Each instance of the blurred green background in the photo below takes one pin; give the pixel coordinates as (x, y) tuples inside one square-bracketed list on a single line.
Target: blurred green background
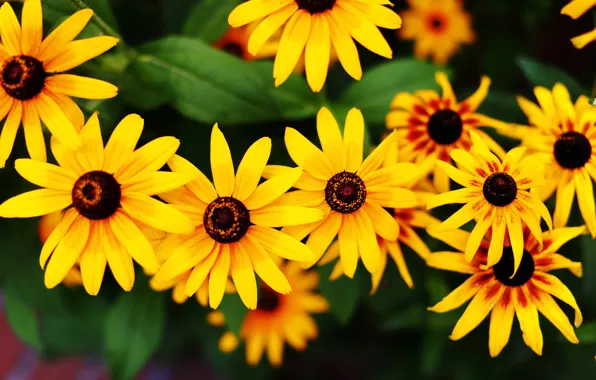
[(168, 73)]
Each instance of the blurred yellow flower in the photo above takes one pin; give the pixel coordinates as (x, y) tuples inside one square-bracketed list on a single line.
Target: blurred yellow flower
[(575, 9), (33, 85), (438, 27), (316, 27)]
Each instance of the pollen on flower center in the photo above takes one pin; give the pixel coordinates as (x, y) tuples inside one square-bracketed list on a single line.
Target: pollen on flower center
[(572, 150), (445, 127), (315, 6), (269, 299), (504, 268), (226, 220), (22, 77), (234, 49), (499, 189), (96, 195), (345, 192)]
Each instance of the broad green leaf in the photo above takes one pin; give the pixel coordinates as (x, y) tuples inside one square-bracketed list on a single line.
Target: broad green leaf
[(379, 85), (54, 10), (342, 294), (234, 311), (135, 91), (133, 329), (211, 86), (208, 19), (541, 74), (587, 333), (22, 318)]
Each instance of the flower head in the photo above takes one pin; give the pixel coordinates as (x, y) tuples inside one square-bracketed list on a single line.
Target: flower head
[(561, 138), (102, 191), (313, 27), (278, 318), (431, 125), (496, 195), (234, 223), (529, 291), (438, 27), (352, 192), (575, 9), (33, 86)]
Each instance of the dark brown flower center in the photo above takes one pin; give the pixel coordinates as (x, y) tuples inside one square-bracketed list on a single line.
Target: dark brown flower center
[(96, 195), (226, 220), (234, 49), (572, 150), (269, 299), (504, 268), (345, 192), (436, 23), (22, 77), (315, 6), (445, 127), (499, 189)]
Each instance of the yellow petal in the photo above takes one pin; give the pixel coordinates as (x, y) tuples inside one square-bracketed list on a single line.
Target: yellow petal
[(585, 198), (9, 131), (278, 216), (228, 342), (460, 295), (222, 167), (363, 31), (272, 189), (36, 145), (219, 276), (275, 349), (93, 260), (243, 276), (186, 256), (80, 87), (331, 140), (156, 214), (367, 242), (122, 142), (306, 181), (322, 236), (251, 168), (250, 11), (156, 183), (527, 315), (148, 158), (35, 203), (91, 154), (200, 186), (32, 29), (552, 311), (392, 197), (56, 236), (119, 260), (45, 175), (577, 8), (478, 97), (70, 108), (564, 200), (264, 265), (280, 244), (384, 224), (354, 139), (501, 320), (269, 26), (134, 241), (307, 156), (317, 52), (477, 310), (10, 30), (79, 52), (554, 286), (376, 158), (64, 33), (54, 118), (451, 261), (344, 47), (348, 245), (584, 39), (291, 45)]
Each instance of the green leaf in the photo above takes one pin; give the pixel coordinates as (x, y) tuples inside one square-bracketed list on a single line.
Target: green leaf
[(587, 333), (208, 20), (134, 327), (135, 91), (22, 319), (234, 311), (342, 294), (379, 85), (540, 74), (211, 86)]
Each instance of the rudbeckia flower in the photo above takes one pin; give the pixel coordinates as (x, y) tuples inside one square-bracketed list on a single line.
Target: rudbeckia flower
[(430, 125), (234, 223), (561, 138), (351, 192), (500, 292), (102, 192), (438, 28), (315, 27), (33, 85), (496, 195), (575, 9), (278, 318)]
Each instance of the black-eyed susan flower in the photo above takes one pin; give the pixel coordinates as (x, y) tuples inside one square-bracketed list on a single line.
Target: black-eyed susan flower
[(352, 192), (503, 294), (315, 27), (438, 27), (234, 223), (278, 318), (561, 138), (575, 9), (33, 83), (495, 194), (430, 125), (102, 192)]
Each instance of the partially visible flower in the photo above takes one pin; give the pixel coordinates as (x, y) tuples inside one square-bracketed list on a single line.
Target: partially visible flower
[(315, 27), (430, 125), (33, 83), (278, 318), (438, 27), (496, 195), (102, 191), (234, 221), (503, 293), (575, 9)]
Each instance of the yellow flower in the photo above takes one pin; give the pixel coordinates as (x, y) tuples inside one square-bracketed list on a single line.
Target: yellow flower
[(316, 27), (495, 290), (575, 9), (430, 125), (102, 192), (278, 318), (351, 192), (234, 224), (33, 85), (496, 195), (562, 137), (438, 27)]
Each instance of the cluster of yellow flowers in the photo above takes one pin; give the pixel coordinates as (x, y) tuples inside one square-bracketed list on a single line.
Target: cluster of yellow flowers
[(101, 197)]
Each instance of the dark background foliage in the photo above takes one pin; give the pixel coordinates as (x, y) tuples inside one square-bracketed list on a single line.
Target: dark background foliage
[(168, 74)]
